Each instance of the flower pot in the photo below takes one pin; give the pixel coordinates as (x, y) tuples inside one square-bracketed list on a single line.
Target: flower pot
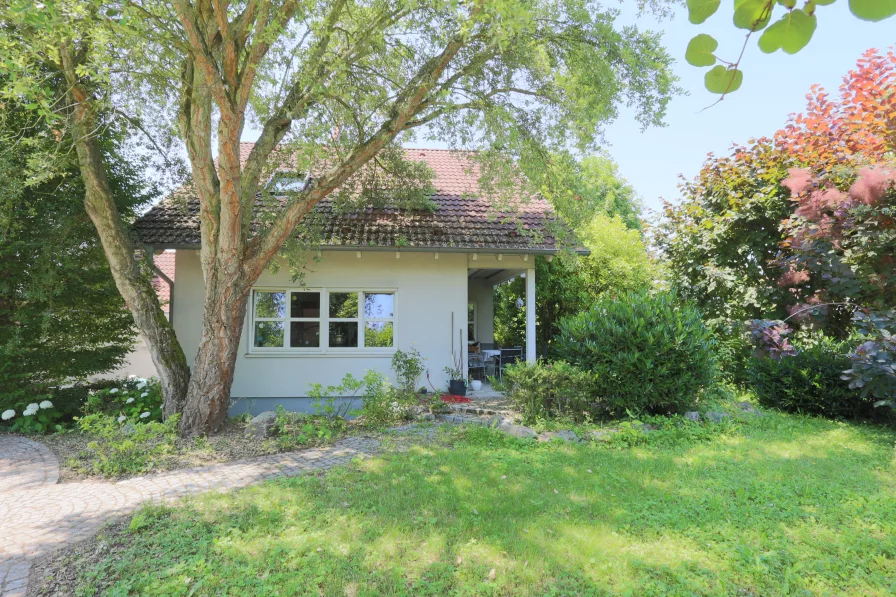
[(476, 385), (457, 387)]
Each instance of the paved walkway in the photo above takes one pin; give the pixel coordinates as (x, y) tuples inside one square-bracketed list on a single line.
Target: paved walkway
[(37, 516)]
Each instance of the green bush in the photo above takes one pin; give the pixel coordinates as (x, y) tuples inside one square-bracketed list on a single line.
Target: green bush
[(809, 382), (132, 398), (121, 446), (648, 352), (552, 390), (384, 404)]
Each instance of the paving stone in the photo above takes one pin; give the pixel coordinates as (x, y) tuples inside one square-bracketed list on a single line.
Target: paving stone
[(37, 516)]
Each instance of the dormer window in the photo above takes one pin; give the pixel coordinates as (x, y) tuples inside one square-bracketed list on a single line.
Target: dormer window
[(286, 183)]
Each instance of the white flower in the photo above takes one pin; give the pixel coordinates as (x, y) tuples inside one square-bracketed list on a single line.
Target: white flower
[(46, 404), (122, 419), (142, 384), (31, 409), (8, 414), (113, 391), (144, 415), (129, 400), (132, 377), (144, 394)]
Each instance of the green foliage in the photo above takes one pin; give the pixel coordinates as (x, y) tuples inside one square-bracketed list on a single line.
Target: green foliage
[(545, 390), (791, 32), (408, 367), (334, 402), (61, 317), (384, 404), (648, 352), (719, 239), (124, 447), (809, 382), (294, 430), (134, 399), (32, 417), (732, 350), (618, 263)]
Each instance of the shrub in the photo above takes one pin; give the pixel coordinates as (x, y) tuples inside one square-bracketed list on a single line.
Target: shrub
[(131, 398), (383, 404), (808, 382), (648, 352), (299, 429), (25, 416), (120, 446), (547, 390), (408, 368)]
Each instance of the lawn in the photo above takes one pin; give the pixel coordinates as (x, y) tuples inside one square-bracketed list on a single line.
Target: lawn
[(778, 505)]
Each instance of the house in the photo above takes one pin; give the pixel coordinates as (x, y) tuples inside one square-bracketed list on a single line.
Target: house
[(385, 279)]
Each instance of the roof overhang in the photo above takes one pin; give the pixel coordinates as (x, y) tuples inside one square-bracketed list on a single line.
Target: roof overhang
[(381, 249)]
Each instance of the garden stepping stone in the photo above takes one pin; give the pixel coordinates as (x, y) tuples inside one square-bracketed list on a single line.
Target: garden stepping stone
[(692, 416), (517, 430)]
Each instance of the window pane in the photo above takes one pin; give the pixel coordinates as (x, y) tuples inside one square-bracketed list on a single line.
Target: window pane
[(305, 304), (378, 333), (378, 305), (269, 334), (270, 304), (344, 334), (304, 334), (344, 305)]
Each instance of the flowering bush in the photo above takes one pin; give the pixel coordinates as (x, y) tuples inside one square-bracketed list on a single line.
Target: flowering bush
[(32, 417), (121, 447), (136, 398)]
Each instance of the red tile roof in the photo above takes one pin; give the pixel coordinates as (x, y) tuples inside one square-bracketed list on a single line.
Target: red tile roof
[(464, 218)]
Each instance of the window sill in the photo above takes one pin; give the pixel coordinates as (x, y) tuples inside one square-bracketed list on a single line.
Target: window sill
[(384, 354)]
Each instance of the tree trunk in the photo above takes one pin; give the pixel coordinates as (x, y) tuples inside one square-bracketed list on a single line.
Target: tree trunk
[(134, 285), (208, 395)]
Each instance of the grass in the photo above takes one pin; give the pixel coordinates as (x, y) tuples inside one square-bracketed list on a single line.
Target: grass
[(779, 505)]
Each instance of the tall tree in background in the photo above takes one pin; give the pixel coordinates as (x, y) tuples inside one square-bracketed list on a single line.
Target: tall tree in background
[(603, 211), (517, 80), (61, 317)]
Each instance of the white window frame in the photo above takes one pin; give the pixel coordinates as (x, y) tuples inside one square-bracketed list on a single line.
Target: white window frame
[(324, 322)]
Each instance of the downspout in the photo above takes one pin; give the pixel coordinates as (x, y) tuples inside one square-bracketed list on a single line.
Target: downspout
[(155, 268)]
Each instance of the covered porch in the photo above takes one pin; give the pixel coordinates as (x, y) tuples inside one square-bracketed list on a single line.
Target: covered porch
[(484, 272)]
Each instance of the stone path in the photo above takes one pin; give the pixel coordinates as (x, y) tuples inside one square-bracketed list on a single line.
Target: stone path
[(37, 516)]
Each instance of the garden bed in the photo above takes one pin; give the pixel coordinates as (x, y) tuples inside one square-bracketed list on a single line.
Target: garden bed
[(232, 443)]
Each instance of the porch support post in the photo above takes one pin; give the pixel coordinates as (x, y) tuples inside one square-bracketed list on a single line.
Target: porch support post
[(530, 315)]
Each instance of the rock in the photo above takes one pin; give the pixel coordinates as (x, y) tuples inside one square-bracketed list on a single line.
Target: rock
[(600, 436), (692, 415), (567, 436), (262, 424), (716, 417), (749, 408), (517, 430)]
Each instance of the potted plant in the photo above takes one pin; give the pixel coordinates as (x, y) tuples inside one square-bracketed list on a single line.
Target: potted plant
[(475, 384), (457, 385)]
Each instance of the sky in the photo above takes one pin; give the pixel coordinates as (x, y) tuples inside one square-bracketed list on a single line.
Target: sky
[(775, 85)]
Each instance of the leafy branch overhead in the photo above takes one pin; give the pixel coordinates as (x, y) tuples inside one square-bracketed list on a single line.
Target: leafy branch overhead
[(781, 25)]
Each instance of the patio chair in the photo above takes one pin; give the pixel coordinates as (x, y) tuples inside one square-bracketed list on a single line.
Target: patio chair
[(476, 365), (508, 356)]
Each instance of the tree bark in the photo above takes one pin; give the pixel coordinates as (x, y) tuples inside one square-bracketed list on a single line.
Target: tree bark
[(208, 395), (134, 285)]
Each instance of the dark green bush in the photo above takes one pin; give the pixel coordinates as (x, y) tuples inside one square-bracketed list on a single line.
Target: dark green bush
[(648, 352), (548, 390), (809, 382)]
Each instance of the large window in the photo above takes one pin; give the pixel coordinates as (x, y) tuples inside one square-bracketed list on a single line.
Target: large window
[(294, 320)]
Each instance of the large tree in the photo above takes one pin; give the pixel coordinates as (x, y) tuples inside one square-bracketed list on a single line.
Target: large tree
[(331, 83), (60, 315)]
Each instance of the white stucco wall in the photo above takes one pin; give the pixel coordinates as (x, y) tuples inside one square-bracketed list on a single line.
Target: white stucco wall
[(482, 294), (427, 292)]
